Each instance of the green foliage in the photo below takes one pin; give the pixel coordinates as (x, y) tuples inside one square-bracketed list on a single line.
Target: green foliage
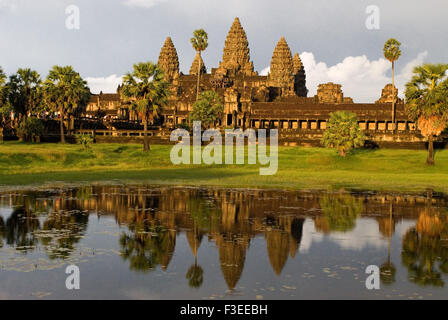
[(208, 109), (341, 211), (343, 132), (425, 257), (2, 88), (427, 91), (24, 92), (427, 102), (85, 140), (199, 40), (392, 50), (195, 276), (30, 129), (146, 92), (65, 91)]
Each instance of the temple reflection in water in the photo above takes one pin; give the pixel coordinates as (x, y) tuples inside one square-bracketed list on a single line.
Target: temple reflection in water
[(152, 218)]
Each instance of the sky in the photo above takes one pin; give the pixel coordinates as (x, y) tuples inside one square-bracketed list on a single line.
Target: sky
[(330, 35)]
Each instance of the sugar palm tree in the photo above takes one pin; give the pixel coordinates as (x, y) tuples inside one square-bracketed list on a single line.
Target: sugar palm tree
[(2, 78), (2, 90), (392, 52), (147, 92), (24, 92), (199, 43), (65, 92), (3, 109), (427, 102)]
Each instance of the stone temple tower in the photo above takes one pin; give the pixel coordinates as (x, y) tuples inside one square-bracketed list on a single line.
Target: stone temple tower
[(236, 56), (282, 69), (300, 77), (194, 65), (169, 61)]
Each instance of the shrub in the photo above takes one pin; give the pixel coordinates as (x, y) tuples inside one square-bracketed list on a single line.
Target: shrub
[(30, 129), (343, 132), (85, 140)]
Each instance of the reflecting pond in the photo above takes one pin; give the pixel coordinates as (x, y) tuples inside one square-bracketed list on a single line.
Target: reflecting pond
[(147, 242)]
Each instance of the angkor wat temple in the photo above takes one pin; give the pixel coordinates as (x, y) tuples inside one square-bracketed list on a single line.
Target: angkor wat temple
[(277, 100)]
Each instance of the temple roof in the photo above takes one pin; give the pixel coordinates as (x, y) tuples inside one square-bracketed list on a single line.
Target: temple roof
[(169, 60), (194, 65), (236, 56)]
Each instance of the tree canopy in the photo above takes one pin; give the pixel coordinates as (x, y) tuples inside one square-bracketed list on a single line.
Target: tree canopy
[(199, 41), (343, 132), (392, 50), (146, 92), (65, 92), (427, 101), (24, 92), (4, 106), (208, 108)]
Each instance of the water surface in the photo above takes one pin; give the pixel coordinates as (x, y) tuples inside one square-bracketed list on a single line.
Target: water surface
[(146, 242)]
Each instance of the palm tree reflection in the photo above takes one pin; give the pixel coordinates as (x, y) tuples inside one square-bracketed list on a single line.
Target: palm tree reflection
[(425, 249), (387, 269)]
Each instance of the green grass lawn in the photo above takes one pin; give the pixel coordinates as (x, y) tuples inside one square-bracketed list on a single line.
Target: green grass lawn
[(299, 168)]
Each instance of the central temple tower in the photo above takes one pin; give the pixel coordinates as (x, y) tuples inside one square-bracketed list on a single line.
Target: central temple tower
[(236, 56)]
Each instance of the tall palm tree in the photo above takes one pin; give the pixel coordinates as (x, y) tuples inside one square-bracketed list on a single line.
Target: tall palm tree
[(199, 43), (65, 92), (24, 92), (3, 110), (146, 90), (392, 52), (2, 79), (427, 102)]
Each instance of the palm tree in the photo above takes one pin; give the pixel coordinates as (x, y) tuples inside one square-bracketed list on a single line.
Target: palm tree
[(392, 52), (427, 102), (147, 92), (3, 110), (199, 43), (2, 80), (24, 92), (65, 92)]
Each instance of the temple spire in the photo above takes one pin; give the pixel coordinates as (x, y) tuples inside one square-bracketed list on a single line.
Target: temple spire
[(236, 55), (300, 76), (194, 65), (169, 60), (297, 62), (282, 68)]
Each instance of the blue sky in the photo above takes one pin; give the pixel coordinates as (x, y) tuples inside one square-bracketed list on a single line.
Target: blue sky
[(330, 35)]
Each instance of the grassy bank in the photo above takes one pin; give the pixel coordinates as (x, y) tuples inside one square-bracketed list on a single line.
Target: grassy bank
[(299, 168)]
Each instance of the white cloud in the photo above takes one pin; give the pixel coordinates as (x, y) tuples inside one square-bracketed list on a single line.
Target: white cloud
[(143, 3), (361, 78), (106, 84), (9, 4), (265, 71), (365, 234)]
